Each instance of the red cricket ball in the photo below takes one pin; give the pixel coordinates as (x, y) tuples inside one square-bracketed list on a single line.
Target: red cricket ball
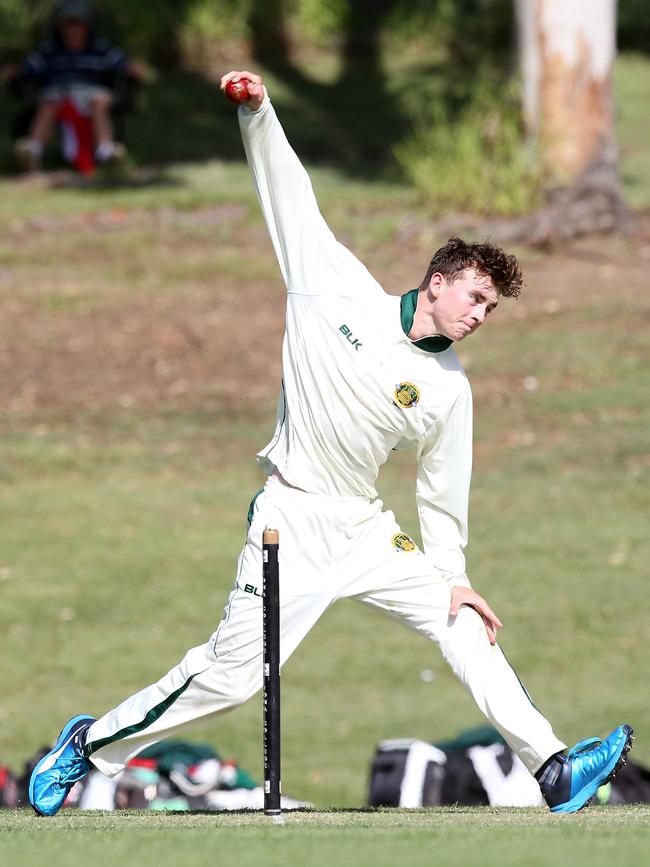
[(237, 91)]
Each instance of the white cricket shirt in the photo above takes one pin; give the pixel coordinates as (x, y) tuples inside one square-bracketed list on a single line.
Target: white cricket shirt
[(354, 386)]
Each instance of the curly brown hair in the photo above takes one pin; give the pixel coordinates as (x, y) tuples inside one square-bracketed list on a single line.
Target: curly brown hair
[(457, 255)]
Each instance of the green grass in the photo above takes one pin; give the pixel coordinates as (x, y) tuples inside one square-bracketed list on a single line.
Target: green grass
[(631, 87), (467, 837)]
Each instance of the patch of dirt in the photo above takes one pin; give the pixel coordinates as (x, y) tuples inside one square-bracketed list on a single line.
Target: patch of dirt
[(159, 353), (222, 345)]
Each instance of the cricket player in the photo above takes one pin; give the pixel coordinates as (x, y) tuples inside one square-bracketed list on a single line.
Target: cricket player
[(364, 373)]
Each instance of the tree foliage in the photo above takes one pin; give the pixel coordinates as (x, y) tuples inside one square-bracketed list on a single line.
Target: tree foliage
[(155, 28), (470, 31)]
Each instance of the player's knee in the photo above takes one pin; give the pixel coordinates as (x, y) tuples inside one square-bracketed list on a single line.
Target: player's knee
[(468, 627), (236, 687), (244, 692), (467, 618), (100, 102), (47, 108)]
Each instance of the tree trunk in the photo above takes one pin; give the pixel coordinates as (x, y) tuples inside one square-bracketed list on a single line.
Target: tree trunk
[(567, 49), (269, 39)]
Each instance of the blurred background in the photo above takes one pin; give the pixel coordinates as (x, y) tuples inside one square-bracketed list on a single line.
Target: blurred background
[(141, 315)]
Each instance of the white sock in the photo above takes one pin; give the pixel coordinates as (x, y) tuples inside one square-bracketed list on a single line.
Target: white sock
[(104, 150), (34, 146)]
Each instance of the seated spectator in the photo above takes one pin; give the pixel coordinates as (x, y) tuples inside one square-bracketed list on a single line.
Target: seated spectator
[(74, 72)]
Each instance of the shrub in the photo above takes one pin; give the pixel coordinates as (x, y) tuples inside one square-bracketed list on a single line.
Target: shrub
[(474, 161)]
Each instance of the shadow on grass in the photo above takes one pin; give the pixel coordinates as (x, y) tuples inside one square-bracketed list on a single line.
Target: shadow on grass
[(293, 811)]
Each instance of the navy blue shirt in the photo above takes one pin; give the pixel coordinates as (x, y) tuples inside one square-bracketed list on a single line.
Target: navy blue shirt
[(52, 65)]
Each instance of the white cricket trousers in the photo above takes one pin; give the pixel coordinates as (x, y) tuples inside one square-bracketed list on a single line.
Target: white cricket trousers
[(330, 548)]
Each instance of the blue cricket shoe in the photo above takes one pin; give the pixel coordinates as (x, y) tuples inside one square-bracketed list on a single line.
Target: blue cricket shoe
[(569, 782), (61, 768)]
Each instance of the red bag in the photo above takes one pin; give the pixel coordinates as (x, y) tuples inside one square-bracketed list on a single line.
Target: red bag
[(77, 137)]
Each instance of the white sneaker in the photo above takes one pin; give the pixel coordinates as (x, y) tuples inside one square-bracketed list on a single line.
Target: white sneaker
[(110, 153), (29, 152)]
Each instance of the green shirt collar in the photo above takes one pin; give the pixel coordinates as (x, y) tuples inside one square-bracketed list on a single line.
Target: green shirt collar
[(408, 306)]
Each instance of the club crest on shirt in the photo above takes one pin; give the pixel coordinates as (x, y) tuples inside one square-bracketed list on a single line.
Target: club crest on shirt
[(406, 395), (402, 542)]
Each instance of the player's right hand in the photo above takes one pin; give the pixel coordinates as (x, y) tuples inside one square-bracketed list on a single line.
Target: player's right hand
[(254, 83)]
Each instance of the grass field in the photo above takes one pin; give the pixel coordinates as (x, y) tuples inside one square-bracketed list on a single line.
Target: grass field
[(467, 837), (139, 362)]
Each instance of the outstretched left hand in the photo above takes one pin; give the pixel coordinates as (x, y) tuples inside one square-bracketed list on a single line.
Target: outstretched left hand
[(465, 596)]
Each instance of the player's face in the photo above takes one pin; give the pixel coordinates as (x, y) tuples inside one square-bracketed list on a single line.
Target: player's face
[(462, 306)]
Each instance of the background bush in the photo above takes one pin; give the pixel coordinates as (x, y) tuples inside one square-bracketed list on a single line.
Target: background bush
[(475, 161)]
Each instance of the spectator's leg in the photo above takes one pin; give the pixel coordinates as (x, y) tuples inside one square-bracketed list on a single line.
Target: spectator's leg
[(106, 150), (44, 121), (29, 150), (100, 108)]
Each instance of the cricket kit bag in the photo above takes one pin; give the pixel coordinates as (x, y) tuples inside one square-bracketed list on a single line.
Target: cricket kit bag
[(8, 788), (178, 775), (170, 775), (476, 768), (76, 137)]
